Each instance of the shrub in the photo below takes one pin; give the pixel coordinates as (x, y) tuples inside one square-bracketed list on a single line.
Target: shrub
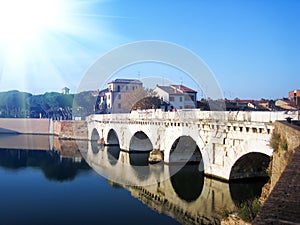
[(284, 145), (249, 209), (275, 140)]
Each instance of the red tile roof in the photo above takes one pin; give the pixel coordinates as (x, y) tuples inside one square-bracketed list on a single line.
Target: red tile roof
[(169, 90), (177, 89), (183, 88)]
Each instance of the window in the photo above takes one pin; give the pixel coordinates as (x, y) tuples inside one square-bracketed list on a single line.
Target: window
[(180, 99), (171, 99), (119, 105), (126, 88), (119, 96), (118, 88), (133, 88)]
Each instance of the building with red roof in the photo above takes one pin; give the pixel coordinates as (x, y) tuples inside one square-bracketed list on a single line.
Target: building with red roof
[(294, 96), (178, 96)]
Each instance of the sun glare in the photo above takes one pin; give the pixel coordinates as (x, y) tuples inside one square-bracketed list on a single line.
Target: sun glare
[(49, 43), (21, 21)]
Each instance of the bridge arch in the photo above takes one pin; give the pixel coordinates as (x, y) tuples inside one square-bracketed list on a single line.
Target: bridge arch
[(250, 165), (185, 149), (112, 138), (140, 142), (95, 135)]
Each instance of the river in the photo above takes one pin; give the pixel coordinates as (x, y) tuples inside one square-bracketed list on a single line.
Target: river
[(49, 181)]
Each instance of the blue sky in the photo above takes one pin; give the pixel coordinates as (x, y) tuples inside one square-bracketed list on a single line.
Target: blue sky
[(252, 47)]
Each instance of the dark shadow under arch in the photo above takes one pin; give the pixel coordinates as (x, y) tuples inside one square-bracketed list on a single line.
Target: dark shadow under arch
[(95, 135), (94, 141), (251, 165), (187, 182), (186, 169), (113, 153), (247, 177), (140, 142), (112, 137), (246, 189), (140, 163), (185, 150)]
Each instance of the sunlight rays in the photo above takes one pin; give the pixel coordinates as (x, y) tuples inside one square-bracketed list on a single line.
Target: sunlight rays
[(44, 43)]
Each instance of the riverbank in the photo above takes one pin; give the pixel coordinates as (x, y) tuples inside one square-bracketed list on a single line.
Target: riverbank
[(64, 129)]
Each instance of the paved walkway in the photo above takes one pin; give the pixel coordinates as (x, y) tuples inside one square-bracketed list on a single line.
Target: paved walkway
[(283, 204)]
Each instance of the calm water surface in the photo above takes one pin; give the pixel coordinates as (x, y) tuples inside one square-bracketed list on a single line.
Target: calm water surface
[(58, 186)]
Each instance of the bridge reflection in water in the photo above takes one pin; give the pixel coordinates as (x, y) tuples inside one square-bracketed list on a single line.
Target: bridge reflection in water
[(179, 191)]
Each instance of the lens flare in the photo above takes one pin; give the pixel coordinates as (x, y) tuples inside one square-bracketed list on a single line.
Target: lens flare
[(48, 44), (21, 21)]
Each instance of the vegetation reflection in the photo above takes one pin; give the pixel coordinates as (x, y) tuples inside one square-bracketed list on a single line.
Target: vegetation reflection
[(53, 166)]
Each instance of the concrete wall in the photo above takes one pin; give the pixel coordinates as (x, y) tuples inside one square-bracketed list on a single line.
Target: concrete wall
[(24, 126)]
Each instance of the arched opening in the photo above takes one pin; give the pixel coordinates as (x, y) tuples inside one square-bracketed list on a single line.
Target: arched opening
[(140, 142), (112, 138), (139, 150), (113, 153), (247, 177), (185, 150), (186, 169), (94, 141), (245, 190), (95, 135), (251, 165)]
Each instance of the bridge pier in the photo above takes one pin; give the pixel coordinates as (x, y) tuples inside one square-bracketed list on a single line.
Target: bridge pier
[(156, 156)]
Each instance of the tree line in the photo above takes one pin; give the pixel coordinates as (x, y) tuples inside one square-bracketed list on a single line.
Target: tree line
[(16, 104)]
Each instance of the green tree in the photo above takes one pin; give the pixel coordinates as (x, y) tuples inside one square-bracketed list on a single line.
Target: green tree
[(149, 102)]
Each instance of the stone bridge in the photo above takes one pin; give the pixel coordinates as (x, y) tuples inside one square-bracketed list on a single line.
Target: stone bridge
[(229, 144)]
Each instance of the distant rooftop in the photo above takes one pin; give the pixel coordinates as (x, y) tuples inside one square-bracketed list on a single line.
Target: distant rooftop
[(176, 89), (184, 88), (126, 81), (169, 90)]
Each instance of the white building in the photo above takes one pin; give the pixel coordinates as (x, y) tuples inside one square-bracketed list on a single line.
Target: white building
[(65, 91), (178, 96), (121, 94)]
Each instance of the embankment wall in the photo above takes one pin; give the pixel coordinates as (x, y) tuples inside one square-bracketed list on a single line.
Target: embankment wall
[(25, 126)]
